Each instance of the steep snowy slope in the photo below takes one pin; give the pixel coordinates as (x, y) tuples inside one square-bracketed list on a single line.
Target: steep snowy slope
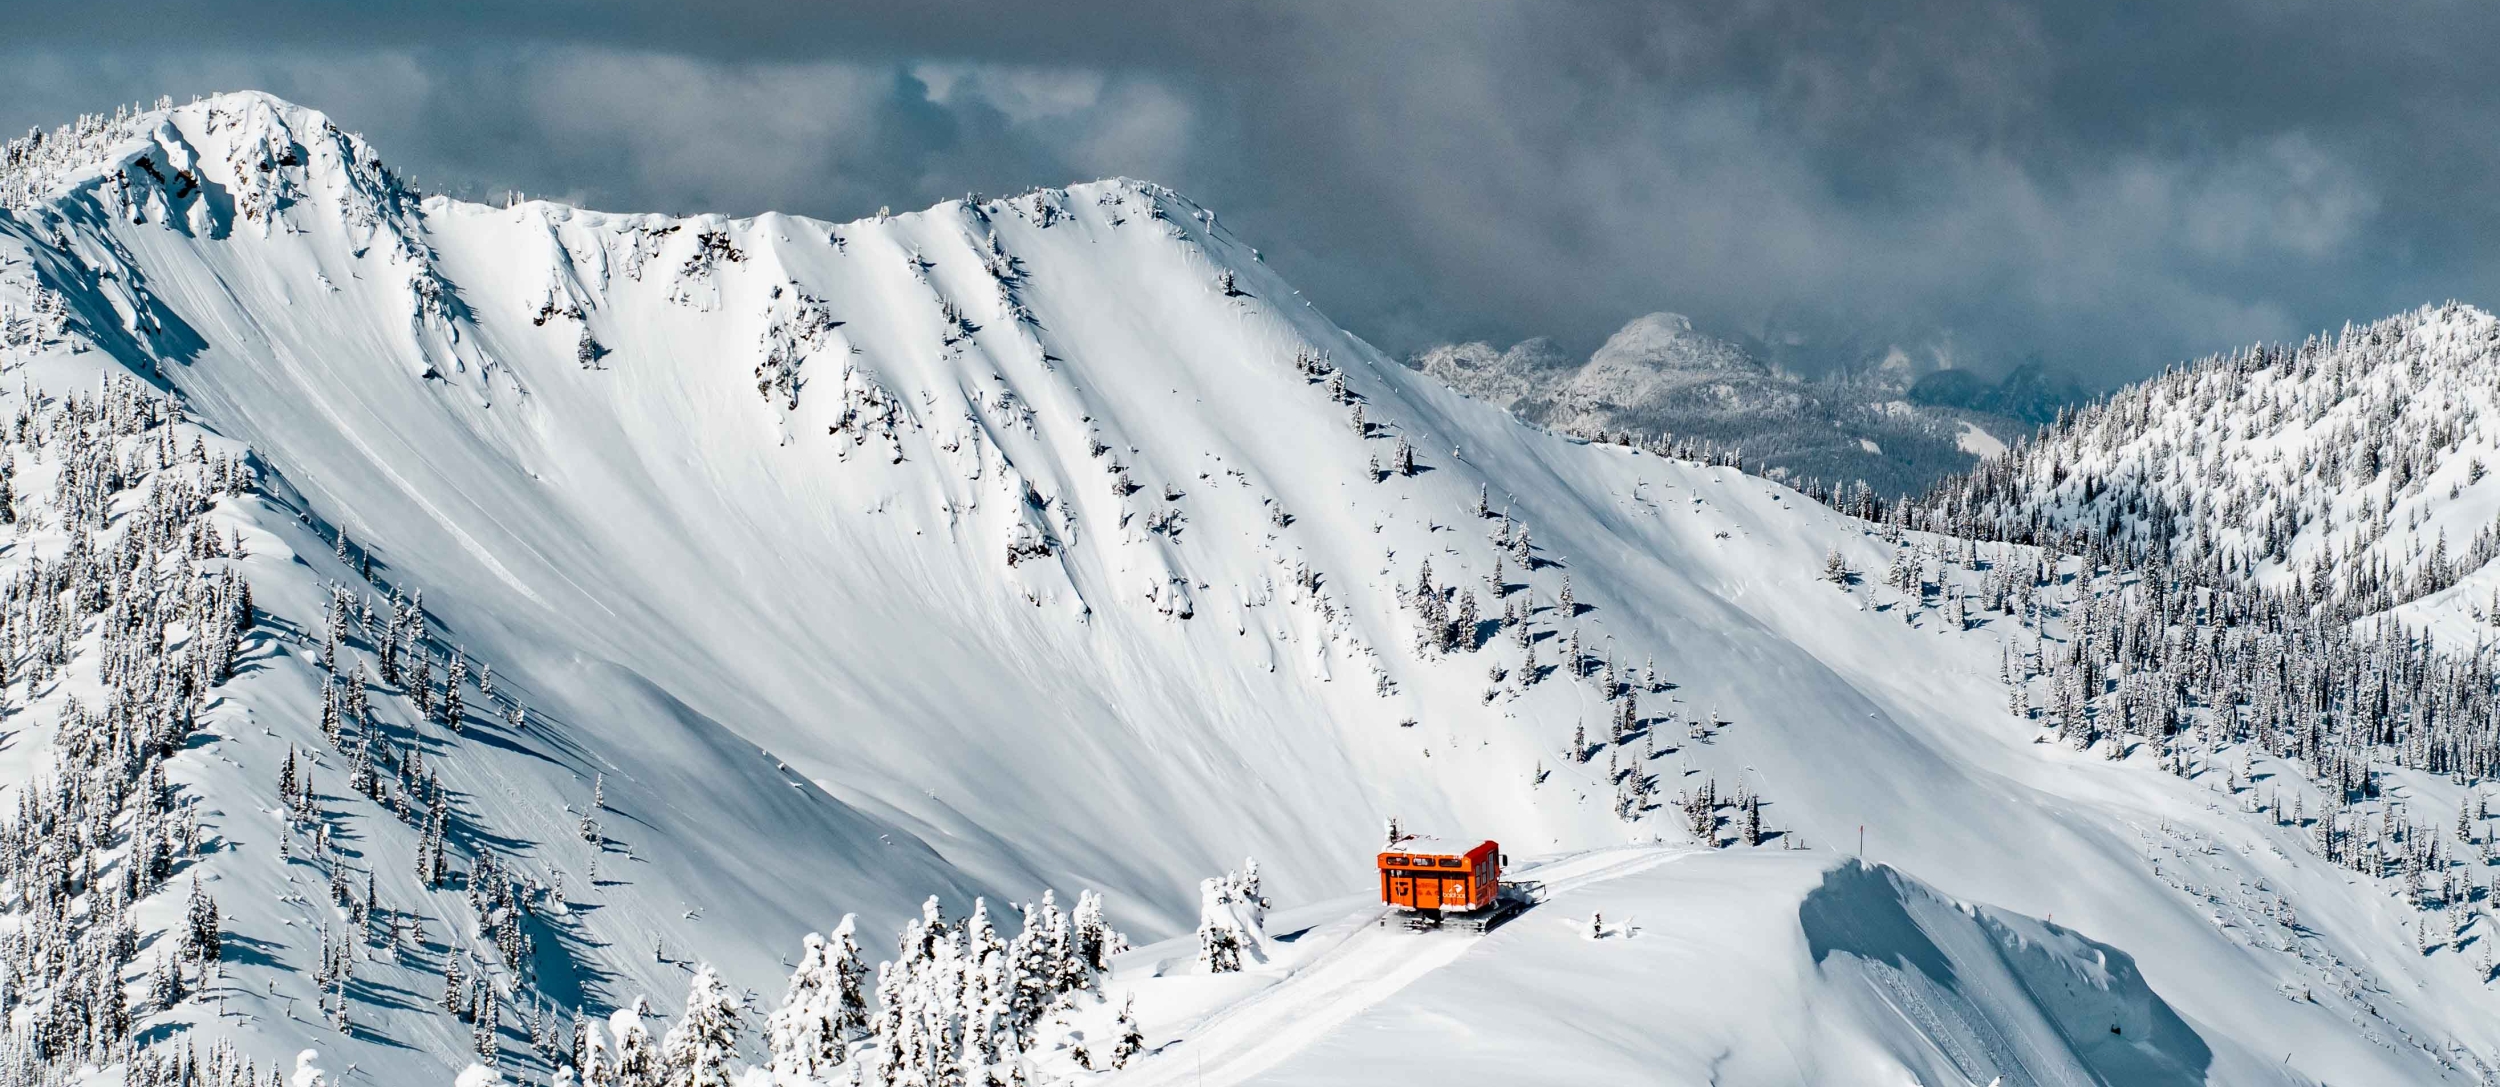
[(1049, 541)]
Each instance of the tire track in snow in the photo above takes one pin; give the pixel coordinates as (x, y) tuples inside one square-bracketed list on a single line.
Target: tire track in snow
[(1371, 965)]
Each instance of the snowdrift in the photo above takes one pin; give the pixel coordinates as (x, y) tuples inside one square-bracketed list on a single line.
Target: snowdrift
[(1763, 968)]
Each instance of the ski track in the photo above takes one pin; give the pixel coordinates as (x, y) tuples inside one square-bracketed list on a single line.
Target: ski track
[(1370, 965)]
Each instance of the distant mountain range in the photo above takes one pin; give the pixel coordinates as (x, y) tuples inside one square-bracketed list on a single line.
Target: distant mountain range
[(1798, 407), (2031, 393)]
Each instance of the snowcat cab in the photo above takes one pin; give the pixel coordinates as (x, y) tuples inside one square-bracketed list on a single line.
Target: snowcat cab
[(1428, 882)]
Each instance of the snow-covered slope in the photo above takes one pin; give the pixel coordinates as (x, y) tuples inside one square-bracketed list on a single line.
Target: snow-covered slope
[(1758, 968), (2355, 467), (1048, 541)]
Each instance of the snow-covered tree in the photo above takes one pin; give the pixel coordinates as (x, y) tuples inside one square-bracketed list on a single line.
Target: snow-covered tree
[(824, 1009), (1130, 1041), (696, 1051), (1219, 941), (202, 928), (308, 1071), (1232, 920), (637, 1060), (800, 1034), (591, 1061), (1092, 940)]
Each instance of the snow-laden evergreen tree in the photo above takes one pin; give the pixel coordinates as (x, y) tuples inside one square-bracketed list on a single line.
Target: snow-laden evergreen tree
[(206, 939), (307, 1072), (1129, 1040), (485, 1016), (696, 1051), (453, 678), (1232, 919), (823, 1008), (1219, 941), (1031, 964), (1092, 941), (636, 1060), (590, 1061)]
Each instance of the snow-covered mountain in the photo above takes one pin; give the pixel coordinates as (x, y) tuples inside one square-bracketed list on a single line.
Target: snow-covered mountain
[(1040, 542), (2353, 469), (1661, 380)]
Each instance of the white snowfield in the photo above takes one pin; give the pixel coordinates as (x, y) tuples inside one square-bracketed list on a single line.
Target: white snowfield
[(1338, 971), (1032, 542), (1768, 968)]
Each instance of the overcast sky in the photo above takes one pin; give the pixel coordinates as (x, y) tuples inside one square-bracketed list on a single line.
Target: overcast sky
[(2112, 185)]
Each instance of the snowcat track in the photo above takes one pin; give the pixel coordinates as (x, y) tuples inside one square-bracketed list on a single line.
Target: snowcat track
[(1483, 921), (1515, 899)]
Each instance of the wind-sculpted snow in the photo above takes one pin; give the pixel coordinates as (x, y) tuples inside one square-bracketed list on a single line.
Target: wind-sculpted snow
[(1767, 968), (1040, 542), (1998, 994)]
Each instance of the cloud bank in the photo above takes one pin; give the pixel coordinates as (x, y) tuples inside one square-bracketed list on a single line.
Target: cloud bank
[(2111, 186)]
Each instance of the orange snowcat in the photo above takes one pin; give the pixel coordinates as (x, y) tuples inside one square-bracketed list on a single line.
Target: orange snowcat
[(1429, 883)]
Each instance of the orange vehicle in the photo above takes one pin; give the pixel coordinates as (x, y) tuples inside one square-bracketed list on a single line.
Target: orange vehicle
[(1435, 880)]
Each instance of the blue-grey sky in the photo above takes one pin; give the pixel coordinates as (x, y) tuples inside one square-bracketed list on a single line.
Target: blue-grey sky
[(2111, 185)]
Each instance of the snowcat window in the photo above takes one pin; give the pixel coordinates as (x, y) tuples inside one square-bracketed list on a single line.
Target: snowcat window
[(1449, 862)]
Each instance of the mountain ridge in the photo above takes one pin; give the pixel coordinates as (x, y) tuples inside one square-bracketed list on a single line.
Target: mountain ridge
[(1023, 543), (1660, 379)]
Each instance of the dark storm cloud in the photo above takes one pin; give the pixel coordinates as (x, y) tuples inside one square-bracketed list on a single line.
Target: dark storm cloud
[(2113, 185)]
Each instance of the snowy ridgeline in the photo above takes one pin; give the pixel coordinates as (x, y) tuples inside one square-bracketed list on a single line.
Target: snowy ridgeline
[(1660, 380), (2348, 472), (607, 602)]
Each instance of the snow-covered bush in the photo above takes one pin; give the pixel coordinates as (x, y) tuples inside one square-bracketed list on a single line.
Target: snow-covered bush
[(308, 1071), (1232, 920)]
